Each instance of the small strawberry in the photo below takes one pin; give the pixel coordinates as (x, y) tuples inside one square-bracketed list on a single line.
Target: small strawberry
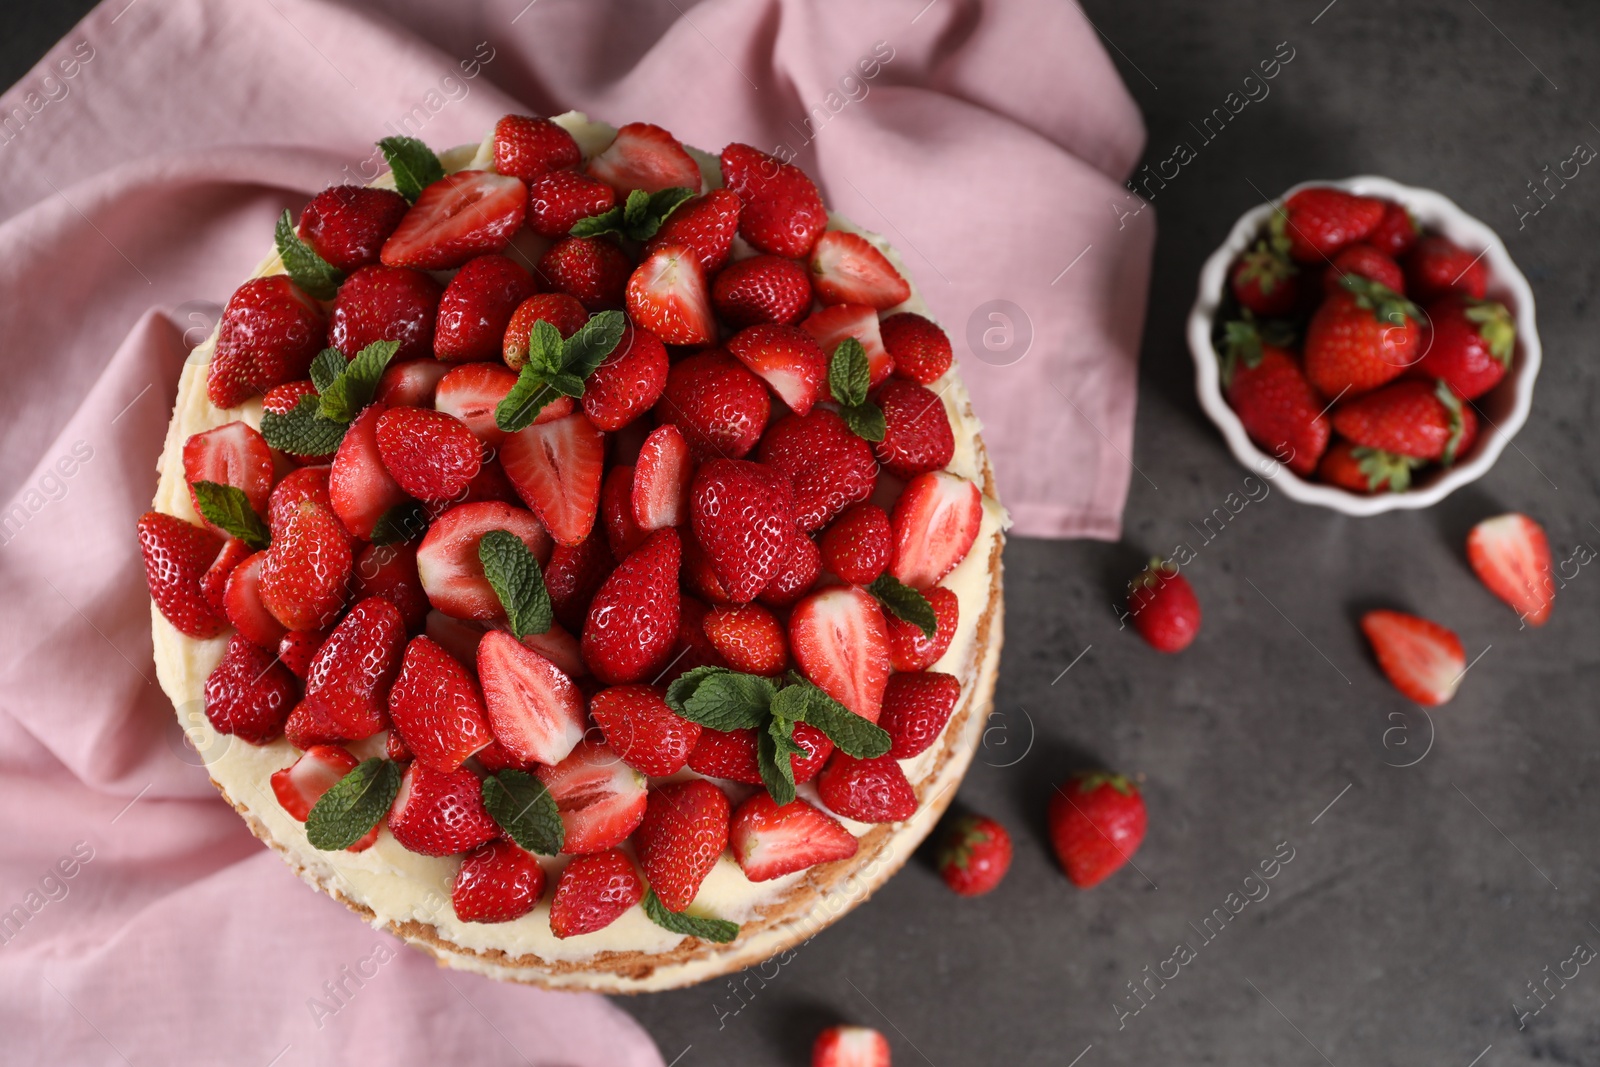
[(1412, 418), (743, 516), (1279, 409), (460, 216), (762, 289), (558, 309), (846, 268), (831, 468), (296, 650), (628, 382), (448, 564), (347, 224), (1366, 470), (601, 798), (974, 855), (731, 754), (636, 721), (432, 455), (556, 201), (936, 523), (839, 640), (1096, 824), (918, 438), (1361, 338), (831, 325), (241, 602), (307, 484), (350, 676), (801, 567), (527, 146), (771, 840), (440, 813), (269, 332), (556, 469), (1319, 221), (574, 575), (1437, 266), (645, 157), (476, 308), (750, 638), (1471, 344), (916, 708), (1364, 261), (783, 212), (1264, 281), (1396, 232), (909, 648), (661, 480), (667, 295), (850, 1046), (591, 269), (859, 545), (593, 892), (233, 454), (214, 582), (411, 384), (306, 575), (684, 830), (1511, 556), (867, 790), (787, 358), (534, 711), (706, 224), (496, 883), (249, 693), (300, 785), (176, 557), (918, 348), (1424, 660), (1164, 608), (436, 706), (382, 303), (623, 533), (471, 393), (720, 406), (633, 619)]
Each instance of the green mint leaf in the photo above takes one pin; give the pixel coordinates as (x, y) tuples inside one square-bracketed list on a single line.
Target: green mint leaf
[(595, 225), (705, 928), (305, 268), (514, 575), (853, 735), (849, 375), (775, 749), (228, 509), (721, 699), (403, 522), (638, 218), (326, 368), (525, 810), (302, 430), (635, 209), (518, 408), (414, 165), (790, 704), (546, 350), (567, 384), (352, 390), (663, 202), (905, 603), (353, 806), (683, 686), (866, 421), (584, 351)]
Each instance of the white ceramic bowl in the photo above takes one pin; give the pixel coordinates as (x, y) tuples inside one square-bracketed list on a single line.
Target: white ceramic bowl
[(1502, 411)]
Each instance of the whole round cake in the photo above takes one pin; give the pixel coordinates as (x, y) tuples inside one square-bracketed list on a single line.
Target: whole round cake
[(577, 554)]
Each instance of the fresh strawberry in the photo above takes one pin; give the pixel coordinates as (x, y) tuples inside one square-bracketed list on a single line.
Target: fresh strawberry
[(214, 582), (788, 359), (496, 883), (394, 748), (308, 726), (909, 649), (306, 575), (850, 1046), (593, 892), (591, 269), (1470, 345), (306, 484), (493, 759), (233, 454), (1365, 470), (1164, 608), (448, 563), (749, 638), (935, 522), (574, 575), (684, 830), (720, 406), (1096, 824), (974, 855), (347, 224), (556, 468), (1364, 261), (1413, 418), (1264, 281), (857, 547), (694, 649), (296, 650), (633, 619), (731, 754), (472, 392), (628, 382), (1268, 391), (381, 303), (636, 721), (249, 693), (558, 309), (918, 438), (440, 813), (623, 534), (460, 216), (783, 212), (436, 706), (762, 289), (645, 157), (831, 467), (1510, 554), (535, 712), (706, 224), (833, 324), (916, 708), (556, 201), (743, 516), (661, 479), (527, 147), (352, 672), (492, 484), (282, 399), (241, 602), (667, 296), (1395, 233), (432, 455), (1361, 338), (459, 637), (839, 640), (770, 841), (918, 348), (269, 332), (1319, 221), (699, 576), (601, 798), (1438, 266), (361, 490), (1424, 660), (300, 785), (476, 308), (846, 268), (867, 790), (560, 648), (411, 384)]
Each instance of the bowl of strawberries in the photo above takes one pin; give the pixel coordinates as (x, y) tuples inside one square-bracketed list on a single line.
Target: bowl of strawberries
[(1367, 344)]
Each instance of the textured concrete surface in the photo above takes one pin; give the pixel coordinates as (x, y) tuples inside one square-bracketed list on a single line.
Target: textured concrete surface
[(1420, 901)]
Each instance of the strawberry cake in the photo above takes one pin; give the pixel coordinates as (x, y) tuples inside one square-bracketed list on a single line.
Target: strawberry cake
[(576, 554)]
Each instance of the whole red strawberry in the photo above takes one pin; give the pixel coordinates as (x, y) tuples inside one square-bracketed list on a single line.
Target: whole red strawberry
[(431, 454), (918, 437), (440, 813), (1395, 233), (859, 544), (909, 648), (748, 637), (743, 516), (379, 303), (477, 306), (919, 348), (1437, 265), (558, 309), (1096, 824), (1412, 418), (706, 224), (783, 212), (649, 736), (436, 706), (347, 224), (685, 829), (527, 147), (269, 332), (867, 790), (496, 883), (249, 693), (720, 406), (916, 707), (1279, 409), (1361, 338), (628, 382), (1164, 608), (556, 201), (177, 555), (592, 269), (1262, 280), (831, 467), (633, 619), (1363, 261), (1471, 344), (762, 289), (593, 892), (306, 575), (799, 571), (350, 675), (974, 855), (1366, 470), (1319, 221)]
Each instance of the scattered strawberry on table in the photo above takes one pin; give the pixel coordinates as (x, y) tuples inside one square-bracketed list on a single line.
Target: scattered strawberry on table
[(974, 855), (850, 1046), (1097, 821), (1163, 607)]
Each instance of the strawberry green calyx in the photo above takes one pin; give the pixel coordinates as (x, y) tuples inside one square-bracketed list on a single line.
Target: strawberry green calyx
[(1385, 304), (1089, 781), (1495, 327), (1277, 237), (1452, 405), (1241, 343), (965, 834), (1266, 267), (1156, 572), (1385, 470)]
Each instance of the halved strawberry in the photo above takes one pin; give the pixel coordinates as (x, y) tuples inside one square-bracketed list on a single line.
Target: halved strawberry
[(743, 516), (350, 676), (833, 324), (300, 785), (440, 813), (472, 392), (561, 310), (661, 480), (297, 648), (448, 563), (831, 467), (390, 571), (628, 382), (248, 694), (526, 146), (682, 834), (556, 468), (916, 707), (496, 883), (909, 649), (535, 711), (410, 384), (1424, 660), (749, 637), (459, 637), (214, 582), (601, 798), (783, 212), (476, 308), (306, 575), (762, 289), (233, 454), (633, 619), (380, 303), (556, 201), (770, 840), (593, 270), (721, 407), (636, 721), (645, 157), (867, 790), (269, 333), (559, 647), (1511, 555), (459, 216), (241, 602), (574, 576), (347, 224), (435, 705), (706, 224), (667, 295), (360, 488), (433, 455), (850, 1046), (839, 639), (936, 521), (623, 534), (788, 359), (593, 892), (847, 269)]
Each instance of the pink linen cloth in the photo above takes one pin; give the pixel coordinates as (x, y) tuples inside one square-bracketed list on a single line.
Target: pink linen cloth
[(142, 164)]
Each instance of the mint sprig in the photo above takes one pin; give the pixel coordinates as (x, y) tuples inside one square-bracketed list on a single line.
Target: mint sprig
[(638, 218), (516, 579), (850, 733), (703, 927), (302, 430), (315, 426), (414, 165), (525, 810), (305, 268), (354, 386), (227, 508), (557, 367), (354, 805), (905, 603), (849, 379)]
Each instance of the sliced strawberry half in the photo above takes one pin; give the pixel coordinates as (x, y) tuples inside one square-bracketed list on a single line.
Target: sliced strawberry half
[(601, 798), (935, 522), (841, 643), (556, 467), (472, 392), (770, 840), (214, 582), (645, 157), (788, 359), (661, 480), (850, 1046), (1424, 660), (1511, 555), (436, 706), (833, 324), (411, 384), (667, 295), (847, 269), (535, 711), (300, 785), (558, 646), (448, 563), (440, 813), (241, 602), (233, 454), (360, 487), (458, 217)]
